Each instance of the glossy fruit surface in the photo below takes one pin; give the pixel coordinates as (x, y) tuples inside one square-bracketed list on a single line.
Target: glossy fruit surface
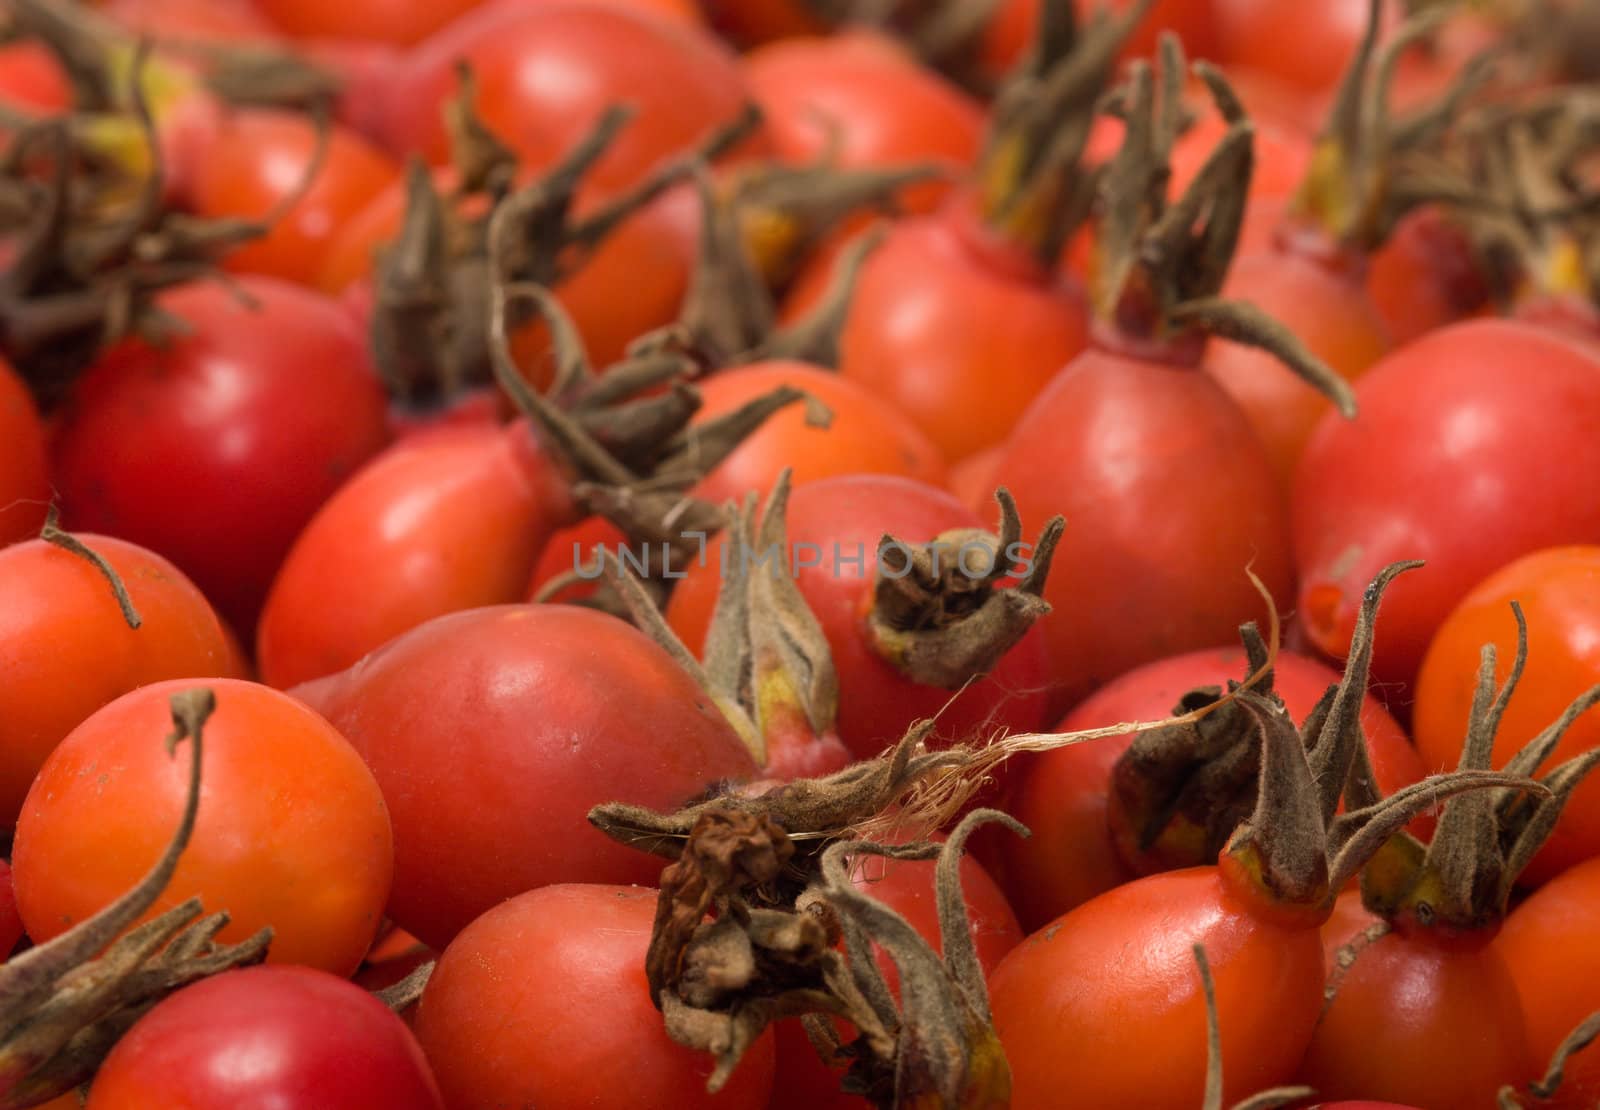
[(486, 733), (1329, 313), (24, 482), (1155, 469), (449, 520), (1452, 1026), (216, 449), (66, 649), (289, 1038), (1549, 944), (1071, 1020), (866, 108), (958, 343), (543, 1001), (292, 831), (1468, 452), (258, 159), (546, 71)]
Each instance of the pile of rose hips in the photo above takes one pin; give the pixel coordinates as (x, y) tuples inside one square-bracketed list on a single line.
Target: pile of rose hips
[(537, 465)]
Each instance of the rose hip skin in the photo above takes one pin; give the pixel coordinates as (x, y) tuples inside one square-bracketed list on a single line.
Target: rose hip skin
[(494, 731), (1473, 445), (217, 449)]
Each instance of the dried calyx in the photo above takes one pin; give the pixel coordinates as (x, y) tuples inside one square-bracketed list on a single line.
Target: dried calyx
[(1160, 264), (946, 35), (767, 665), (1178, 793), (745, 935), (729, 316), (1461, 882), (940, 614), (1033, 191), (89, 257), (1266, 1100), (1295, 852), (785, 211), (1369, 169), (95, 51), (434, 284), (624, 436), (1538, 231), (64, 1004)]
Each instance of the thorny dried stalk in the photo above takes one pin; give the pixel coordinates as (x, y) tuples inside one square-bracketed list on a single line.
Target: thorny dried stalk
[(64, 1003)]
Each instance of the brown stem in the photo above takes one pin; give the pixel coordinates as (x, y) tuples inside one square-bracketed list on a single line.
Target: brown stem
[(52, 533), (1549, 1085), (1212, 1100), (401, 996)]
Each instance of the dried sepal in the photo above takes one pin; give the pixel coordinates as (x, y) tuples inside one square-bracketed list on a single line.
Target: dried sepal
[(1463, 879), (1032, 189), (93, 246), (947, 1054), (1161, 263), (940, 614), (1369, 168), (1177, 793), (436, 281), (1530, 210), (785, 211), (64, 1003), (946, 35), (729, 952), (730, 315), (1293, 848), (747, 932), (624, 436), (767, 665), (811, 811)]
